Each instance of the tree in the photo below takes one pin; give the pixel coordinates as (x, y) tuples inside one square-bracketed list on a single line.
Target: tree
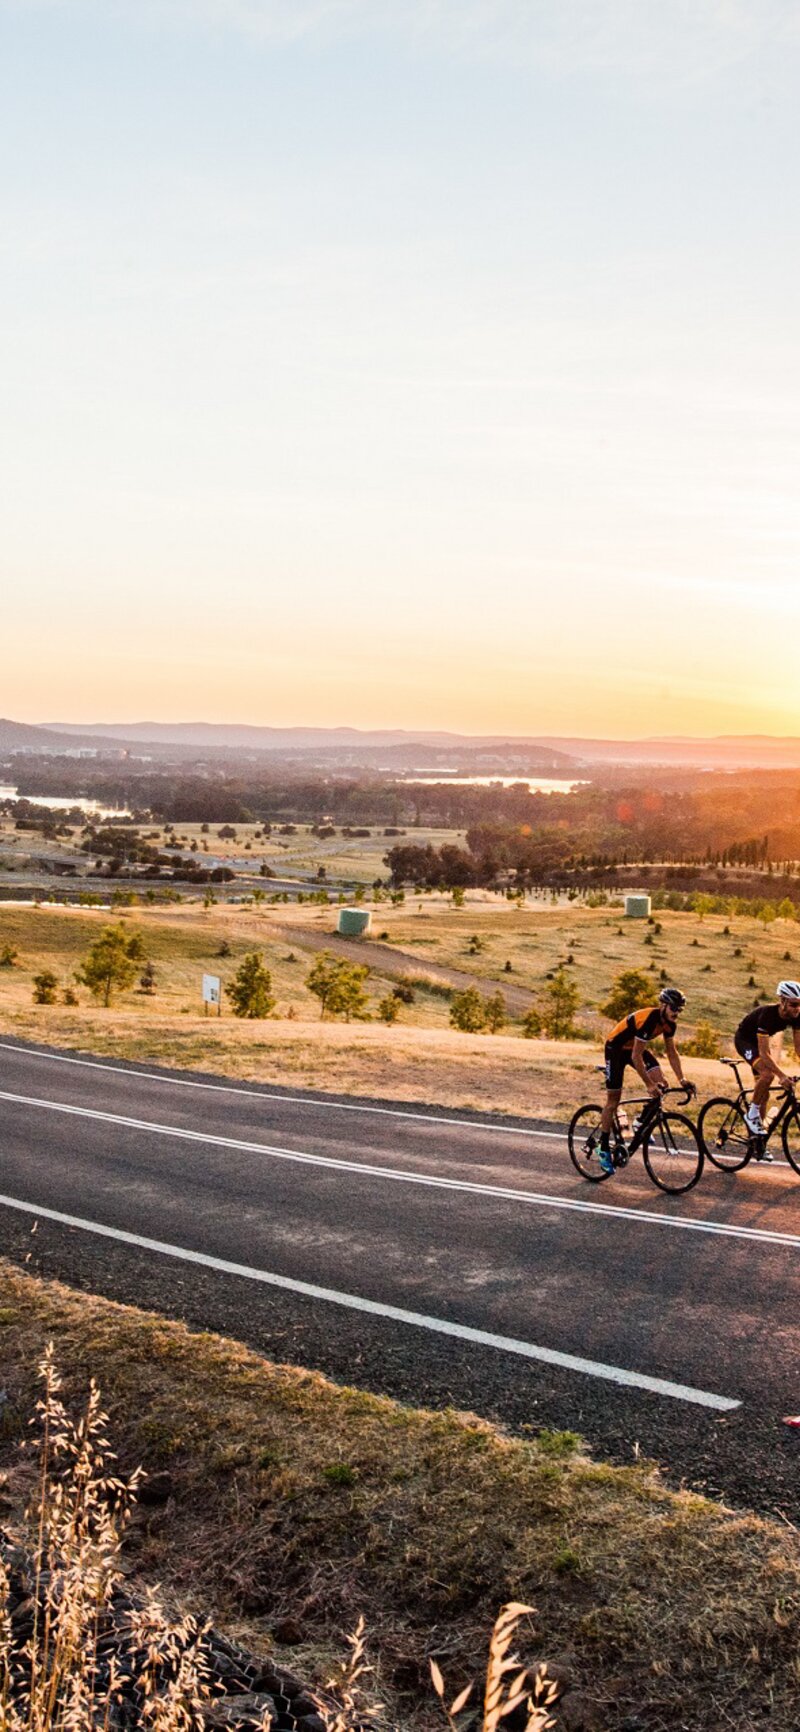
[(147, 978), (494, 1009), (111, 962), (532, 1023), (457, 895), (468, 1011), (631, 991), (705, 1043), (339, 986), (559, 1017), (45, 986), (389, 1009), (250, 991)]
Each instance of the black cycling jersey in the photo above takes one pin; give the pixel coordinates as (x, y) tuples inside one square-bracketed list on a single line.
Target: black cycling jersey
[(765, 1019)]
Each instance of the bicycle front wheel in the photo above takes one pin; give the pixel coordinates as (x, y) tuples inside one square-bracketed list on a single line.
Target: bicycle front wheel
[(583, 1142), (790, 1137), (723, 1133), (672, 1154)]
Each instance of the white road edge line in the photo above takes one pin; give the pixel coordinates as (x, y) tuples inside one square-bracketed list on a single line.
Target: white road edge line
[(186, 1082), (537, 1199), (417, 1319)]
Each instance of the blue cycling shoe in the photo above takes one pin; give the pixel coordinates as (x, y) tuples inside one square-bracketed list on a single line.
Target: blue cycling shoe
[(606, 1162)]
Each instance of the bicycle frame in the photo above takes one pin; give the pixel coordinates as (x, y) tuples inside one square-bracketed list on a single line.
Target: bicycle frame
[(789, 1099), (649, 1117)]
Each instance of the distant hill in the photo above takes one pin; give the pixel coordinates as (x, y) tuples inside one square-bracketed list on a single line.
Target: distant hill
[(403, 748), (24, 737)]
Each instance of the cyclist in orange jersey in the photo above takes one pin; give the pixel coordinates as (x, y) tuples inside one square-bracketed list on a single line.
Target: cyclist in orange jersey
[(627, 1045)]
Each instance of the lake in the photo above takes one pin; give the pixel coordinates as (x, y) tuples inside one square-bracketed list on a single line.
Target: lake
[(534, 784), (91, 808)]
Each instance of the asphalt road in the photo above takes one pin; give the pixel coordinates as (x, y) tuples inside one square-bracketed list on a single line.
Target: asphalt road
[(443, 1258)]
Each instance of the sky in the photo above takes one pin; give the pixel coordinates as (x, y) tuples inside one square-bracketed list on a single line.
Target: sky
[(401, 363)]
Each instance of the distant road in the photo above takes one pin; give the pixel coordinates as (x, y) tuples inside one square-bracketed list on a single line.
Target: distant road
[(443, 1258)]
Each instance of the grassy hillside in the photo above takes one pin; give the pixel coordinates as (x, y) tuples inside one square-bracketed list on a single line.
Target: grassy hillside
[(421, 1058), (293, 1501)]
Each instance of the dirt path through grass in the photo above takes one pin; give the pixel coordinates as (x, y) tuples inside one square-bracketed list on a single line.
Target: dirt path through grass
[(397, 964)]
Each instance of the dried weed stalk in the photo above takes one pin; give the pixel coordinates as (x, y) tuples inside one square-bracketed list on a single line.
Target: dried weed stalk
[(65, 1664), (508, 1683), (59, 1671)]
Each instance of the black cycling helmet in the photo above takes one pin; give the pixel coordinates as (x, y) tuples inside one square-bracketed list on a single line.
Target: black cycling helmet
[(672, 998)]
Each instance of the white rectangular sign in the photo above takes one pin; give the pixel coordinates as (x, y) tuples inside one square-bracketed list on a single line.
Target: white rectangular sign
[(212, 987)]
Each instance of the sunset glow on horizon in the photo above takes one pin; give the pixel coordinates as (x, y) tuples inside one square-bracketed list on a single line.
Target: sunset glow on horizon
[(389, 366)]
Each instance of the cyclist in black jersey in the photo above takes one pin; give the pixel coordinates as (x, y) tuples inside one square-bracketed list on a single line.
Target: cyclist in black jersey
[(753, 1041)]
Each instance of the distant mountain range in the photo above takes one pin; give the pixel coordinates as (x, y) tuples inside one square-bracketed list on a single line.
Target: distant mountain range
[(400, 749)]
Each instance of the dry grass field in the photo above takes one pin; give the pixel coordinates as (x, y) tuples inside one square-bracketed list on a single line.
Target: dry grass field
[(292, 1499), (421, 1058)]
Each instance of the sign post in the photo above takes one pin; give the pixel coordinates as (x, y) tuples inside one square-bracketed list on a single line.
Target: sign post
[(212, 992)]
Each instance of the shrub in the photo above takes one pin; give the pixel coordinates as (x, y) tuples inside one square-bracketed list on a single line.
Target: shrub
[(339, 986), (8, 956), (704, 1043), (389, 1009), (111, 962), (494, 1010), (631, 991), (70, 996), (404, 992), (45, 986), (559, 1015), (250, 991), (468, 1011), (532, 1023)]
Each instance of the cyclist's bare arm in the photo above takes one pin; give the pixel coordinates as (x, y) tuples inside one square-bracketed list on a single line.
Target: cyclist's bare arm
[(796, 1039), (675, 1061)]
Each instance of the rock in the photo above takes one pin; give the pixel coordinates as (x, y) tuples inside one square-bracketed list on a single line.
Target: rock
[(288, 1631), (577, 1713), (241, 1711), (156, 1488)]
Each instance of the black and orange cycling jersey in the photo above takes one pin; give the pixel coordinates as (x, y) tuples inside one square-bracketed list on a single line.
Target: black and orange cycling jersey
[(645, 1024)]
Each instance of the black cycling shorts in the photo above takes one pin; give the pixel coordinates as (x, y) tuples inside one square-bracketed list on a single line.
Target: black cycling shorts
[(749, 1053), (617, 1061)]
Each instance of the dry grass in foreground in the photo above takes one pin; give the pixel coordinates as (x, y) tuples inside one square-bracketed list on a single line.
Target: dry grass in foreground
[(70, 1663), (294, 1502)]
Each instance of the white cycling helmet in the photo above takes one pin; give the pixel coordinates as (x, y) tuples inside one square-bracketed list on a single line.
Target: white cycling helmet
[(789, 989)]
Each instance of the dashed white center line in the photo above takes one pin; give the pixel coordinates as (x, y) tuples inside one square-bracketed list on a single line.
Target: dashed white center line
[(393, 1313)]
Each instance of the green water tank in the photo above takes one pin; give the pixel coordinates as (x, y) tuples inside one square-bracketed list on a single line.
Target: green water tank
[(353, 922), (637, 907)]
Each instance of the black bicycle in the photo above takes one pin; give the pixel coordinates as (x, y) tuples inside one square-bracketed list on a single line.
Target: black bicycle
[(671, 1150), (727, 1139)]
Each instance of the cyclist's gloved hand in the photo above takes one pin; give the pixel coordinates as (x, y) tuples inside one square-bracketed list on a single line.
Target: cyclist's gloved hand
[(690, 1087)]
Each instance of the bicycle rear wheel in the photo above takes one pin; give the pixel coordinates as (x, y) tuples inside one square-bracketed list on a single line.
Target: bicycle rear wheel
[(723, 1134), (583, 1142), (672, 1154), (790, 1137)]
